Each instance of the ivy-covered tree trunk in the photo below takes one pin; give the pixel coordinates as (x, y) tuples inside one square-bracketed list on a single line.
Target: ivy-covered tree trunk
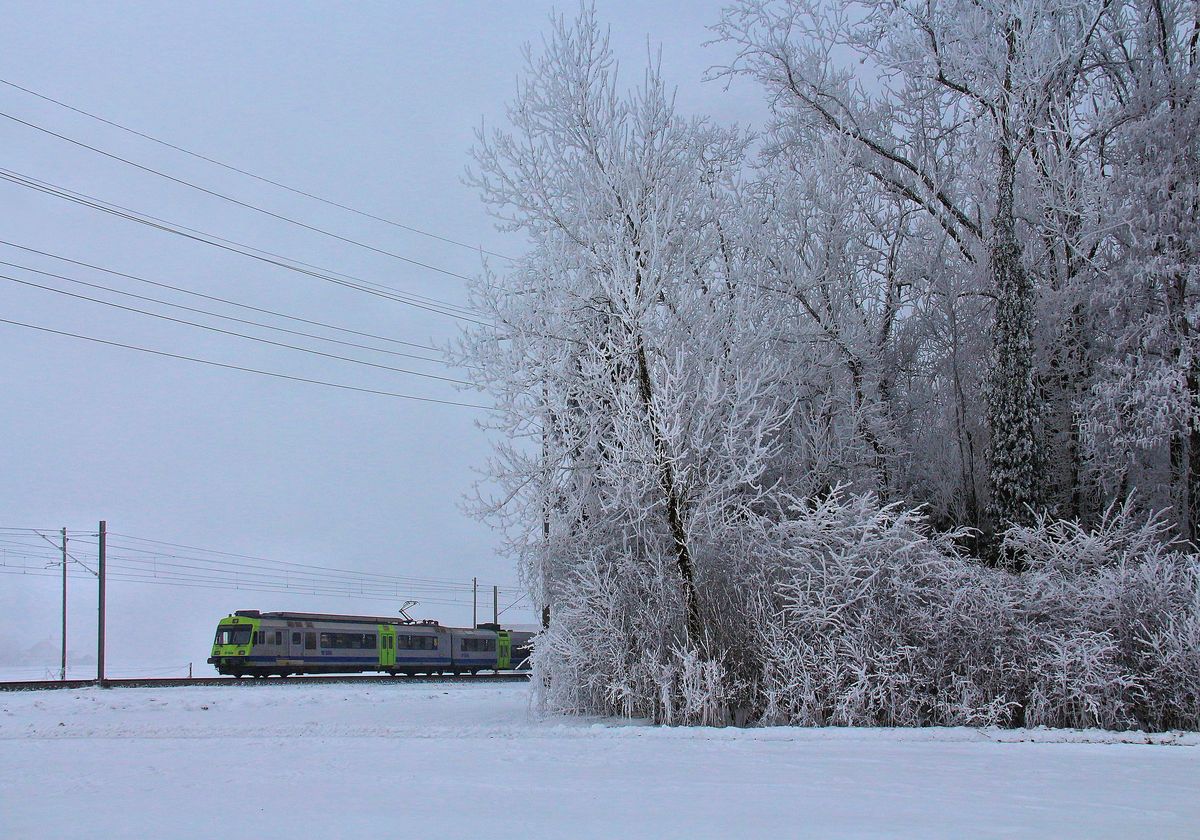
[(1012, 392)]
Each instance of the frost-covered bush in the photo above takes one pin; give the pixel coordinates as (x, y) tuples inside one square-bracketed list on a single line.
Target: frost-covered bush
[(613, 648), (1115, 614), (873, 620), (847, 612)]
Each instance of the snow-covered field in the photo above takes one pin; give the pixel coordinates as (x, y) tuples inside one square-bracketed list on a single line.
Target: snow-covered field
[(469, 760)]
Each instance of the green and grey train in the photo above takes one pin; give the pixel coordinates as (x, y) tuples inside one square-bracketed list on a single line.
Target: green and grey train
[(262, 644)]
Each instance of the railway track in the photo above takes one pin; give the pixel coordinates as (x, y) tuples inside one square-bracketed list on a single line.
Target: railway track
[(37, 685)]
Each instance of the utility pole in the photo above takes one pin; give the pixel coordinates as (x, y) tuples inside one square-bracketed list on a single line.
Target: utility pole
[(474, 602), (496, 606), (62, 670), (100, 632)]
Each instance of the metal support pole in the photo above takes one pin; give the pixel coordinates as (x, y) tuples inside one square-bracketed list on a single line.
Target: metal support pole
[(100, 628), (496, 606), (474, 602), (62, 670)]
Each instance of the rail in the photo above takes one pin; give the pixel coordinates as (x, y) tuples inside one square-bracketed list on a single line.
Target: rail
[(171, 682)]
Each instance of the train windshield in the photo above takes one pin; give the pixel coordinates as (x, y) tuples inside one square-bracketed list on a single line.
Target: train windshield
[(233, 635)]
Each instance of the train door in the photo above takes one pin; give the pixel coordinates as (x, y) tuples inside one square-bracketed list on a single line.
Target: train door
[(295, 643), (387, 646), (503, 651)]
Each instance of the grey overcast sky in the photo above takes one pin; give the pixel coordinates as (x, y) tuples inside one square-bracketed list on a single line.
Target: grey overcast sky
[(369, 104)]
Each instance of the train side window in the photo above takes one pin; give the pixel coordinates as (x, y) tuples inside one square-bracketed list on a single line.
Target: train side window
[(369, 638), (278, 637), (295, 638), (310, 641)]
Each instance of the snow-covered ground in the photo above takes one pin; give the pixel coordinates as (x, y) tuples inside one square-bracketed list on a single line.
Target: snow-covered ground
[(470, 761)]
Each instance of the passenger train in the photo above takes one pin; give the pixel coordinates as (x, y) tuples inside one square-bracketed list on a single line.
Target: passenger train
[(262, 644)]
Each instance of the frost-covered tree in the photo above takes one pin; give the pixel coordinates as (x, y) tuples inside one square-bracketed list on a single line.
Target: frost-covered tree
[(628, 351), (1143, 411), (941, 110)]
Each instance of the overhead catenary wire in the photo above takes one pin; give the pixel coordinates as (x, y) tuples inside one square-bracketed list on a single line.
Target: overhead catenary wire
[(253, 175), (30, 552), (320, 591), (268, 341), (168, 554), (357, 284), (257, 371), (271, 562), (245, 204), (219, 567), (160, 569), (119, 569), (145, 575), (63, 548), (513, 604)]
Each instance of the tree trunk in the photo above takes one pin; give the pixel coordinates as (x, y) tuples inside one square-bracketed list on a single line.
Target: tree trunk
[(672, 497)]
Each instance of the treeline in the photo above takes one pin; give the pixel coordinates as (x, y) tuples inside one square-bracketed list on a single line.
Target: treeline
[(889, 413)]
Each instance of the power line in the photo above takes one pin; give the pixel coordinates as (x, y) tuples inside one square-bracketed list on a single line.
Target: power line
[(212, 314), (232, 200), (261, 178), (245, 369), (357, 284), (230, 332), (225, 301)]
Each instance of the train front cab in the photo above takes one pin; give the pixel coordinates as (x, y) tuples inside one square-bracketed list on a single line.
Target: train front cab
[(233, 645)]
